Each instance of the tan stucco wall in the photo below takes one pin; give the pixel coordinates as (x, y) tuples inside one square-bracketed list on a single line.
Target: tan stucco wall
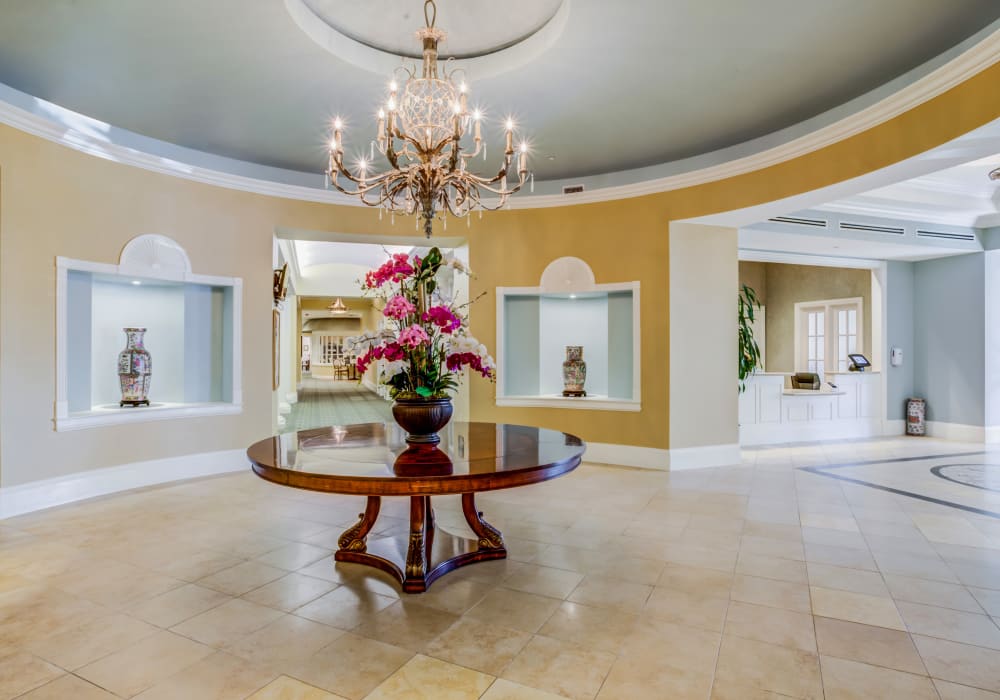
[(788, 285), (783, 286), (57, 201), (754, 275)]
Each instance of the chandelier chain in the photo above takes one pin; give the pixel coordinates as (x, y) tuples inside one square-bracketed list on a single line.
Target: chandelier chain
[(430, 20)]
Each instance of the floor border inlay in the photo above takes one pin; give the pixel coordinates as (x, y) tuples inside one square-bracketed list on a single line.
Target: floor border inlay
[(822, 471)]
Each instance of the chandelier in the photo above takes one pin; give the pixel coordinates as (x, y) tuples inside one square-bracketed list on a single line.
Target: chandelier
[(421, 132), (337, 307)]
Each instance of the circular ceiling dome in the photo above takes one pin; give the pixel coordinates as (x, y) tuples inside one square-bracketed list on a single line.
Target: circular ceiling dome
[(474, 27)]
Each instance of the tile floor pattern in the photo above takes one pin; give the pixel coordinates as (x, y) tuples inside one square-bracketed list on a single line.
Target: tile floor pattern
[(744, 583), (325, 402)]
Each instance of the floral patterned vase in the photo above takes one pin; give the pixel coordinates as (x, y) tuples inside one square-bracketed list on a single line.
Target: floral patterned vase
[(574, 371), (134, 369)]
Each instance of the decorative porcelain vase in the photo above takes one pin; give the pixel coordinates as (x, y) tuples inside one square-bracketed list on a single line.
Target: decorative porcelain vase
[(422, 418), (134, 369), (574, 371)]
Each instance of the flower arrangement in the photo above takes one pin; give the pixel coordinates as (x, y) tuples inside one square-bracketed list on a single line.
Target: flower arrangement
[(426, 341)]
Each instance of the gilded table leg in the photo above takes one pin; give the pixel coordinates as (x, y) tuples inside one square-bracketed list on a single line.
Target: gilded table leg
[(354, 538), (415, 575), (489, 536)]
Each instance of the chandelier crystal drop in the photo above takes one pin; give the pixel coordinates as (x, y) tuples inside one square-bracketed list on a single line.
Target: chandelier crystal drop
[(420, 132)]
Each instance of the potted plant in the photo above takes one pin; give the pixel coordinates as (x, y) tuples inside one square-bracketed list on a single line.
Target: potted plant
[(426, 342), (749, 351)]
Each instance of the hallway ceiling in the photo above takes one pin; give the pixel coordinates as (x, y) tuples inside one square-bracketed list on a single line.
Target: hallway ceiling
[(612, 86), (959, 196), (368, 255)]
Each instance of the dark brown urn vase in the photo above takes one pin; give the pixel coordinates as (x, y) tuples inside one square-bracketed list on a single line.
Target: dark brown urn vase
[(422, 418)]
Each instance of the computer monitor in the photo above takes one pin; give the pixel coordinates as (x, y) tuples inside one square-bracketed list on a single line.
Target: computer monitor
[(859, 361)]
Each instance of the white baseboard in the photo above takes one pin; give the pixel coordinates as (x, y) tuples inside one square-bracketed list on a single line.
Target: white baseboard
[(956, 431), (754, 435), (627, 455), (993, 433), (663, 460), (36, 495), (682, 458), (894, 427)]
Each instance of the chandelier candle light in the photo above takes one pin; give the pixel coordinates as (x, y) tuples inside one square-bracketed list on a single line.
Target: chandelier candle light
[(421, 131)]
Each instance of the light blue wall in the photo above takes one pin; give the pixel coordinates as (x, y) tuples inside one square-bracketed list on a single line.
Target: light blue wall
[(949, 328), (204, 359), (78, 340), (521, 345), (620, 339), (899, 333)]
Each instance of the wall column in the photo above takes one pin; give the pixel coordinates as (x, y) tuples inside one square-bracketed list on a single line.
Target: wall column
[(704, 273)]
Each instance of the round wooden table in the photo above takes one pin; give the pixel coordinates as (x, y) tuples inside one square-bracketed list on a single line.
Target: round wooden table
[(373, 460)]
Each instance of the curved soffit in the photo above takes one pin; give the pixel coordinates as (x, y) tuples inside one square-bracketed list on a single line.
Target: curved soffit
[(89, 135), (622, 86)]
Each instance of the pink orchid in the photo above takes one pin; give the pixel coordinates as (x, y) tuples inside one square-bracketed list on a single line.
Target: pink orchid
[(399, 307), (443, 318), (396, 269), (414, 337), (456, 361)]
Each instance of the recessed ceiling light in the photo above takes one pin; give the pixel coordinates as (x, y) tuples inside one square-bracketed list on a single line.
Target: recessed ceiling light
[(572, 296), (136, 282), (551, 157)]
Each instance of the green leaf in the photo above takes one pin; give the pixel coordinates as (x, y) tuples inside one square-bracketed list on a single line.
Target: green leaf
[(424, 391)]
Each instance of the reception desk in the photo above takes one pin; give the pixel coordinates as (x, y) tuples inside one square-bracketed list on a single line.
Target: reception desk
[(771, 412)]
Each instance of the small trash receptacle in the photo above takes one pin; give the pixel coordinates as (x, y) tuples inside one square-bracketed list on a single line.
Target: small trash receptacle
[(916, 410)]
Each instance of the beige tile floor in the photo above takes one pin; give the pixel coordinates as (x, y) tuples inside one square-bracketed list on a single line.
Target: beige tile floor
[(755, 581)]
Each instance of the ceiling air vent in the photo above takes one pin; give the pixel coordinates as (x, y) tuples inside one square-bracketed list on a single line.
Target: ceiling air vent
[(868, 228), (572, 189), (946, 236), (799, 221)]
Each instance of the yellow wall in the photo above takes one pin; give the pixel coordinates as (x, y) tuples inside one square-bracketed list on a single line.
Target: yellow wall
[(57, 201)]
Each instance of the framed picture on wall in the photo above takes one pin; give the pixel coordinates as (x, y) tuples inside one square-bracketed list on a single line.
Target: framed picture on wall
[(275, 349)]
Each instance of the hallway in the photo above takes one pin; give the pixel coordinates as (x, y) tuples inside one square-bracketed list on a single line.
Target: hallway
[(328, 402)]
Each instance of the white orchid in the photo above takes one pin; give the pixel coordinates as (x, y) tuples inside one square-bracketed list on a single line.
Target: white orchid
[(454, 263)]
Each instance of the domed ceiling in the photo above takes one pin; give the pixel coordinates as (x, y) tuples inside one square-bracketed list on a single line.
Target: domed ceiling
[(599, 87)]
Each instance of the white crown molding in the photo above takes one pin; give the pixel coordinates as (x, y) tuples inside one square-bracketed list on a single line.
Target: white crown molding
[(90, 136), (953, 73)]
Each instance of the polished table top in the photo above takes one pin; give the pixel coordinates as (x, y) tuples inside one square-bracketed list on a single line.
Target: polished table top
[(374, 459)]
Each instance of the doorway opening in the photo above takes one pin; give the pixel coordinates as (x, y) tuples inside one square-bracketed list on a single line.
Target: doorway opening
[(325, 307)]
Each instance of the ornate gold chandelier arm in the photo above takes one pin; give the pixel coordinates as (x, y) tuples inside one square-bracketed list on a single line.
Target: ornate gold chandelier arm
[(420, 133)]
